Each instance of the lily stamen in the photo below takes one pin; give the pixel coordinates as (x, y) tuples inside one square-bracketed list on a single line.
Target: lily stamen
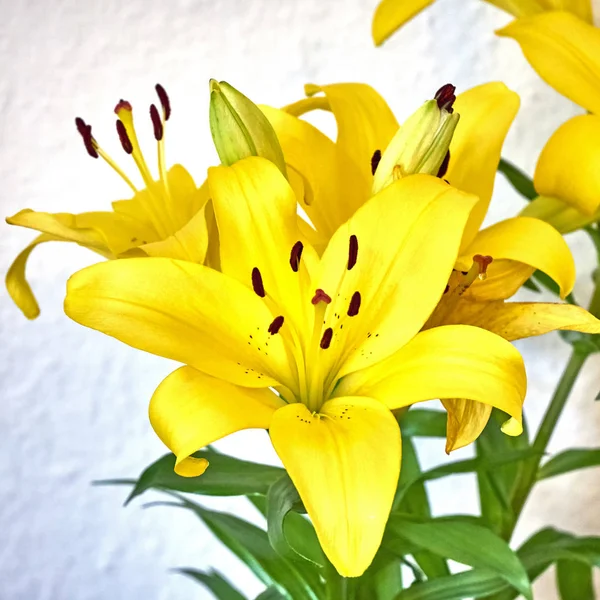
[(276, 325), (295, 256), (257, 283), (352, 252), (354, 304), (326, 339)]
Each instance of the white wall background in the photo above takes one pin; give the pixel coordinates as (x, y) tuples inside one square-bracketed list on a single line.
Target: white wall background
[(73, 403)]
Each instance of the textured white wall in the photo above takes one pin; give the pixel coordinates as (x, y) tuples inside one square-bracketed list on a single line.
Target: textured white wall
[(73, 403)]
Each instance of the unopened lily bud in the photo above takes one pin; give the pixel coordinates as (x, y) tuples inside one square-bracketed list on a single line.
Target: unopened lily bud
[(239, 129), (422, 144)]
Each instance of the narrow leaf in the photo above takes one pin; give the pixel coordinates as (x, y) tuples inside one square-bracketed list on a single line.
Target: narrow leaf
[(419, 422), (215, 582), (570, 460), (271, 593), (466, 543), (531, 285), (574, 580), (225, 476), (521, 182)]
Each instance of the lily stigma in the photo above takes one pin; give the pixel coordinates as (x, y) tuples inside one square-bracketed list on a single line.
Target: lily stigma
[(163, 218), (318, 350)]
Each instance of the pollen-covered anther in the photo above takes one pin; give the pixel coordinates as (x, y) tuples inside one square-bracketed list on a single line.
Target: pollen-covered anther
[(124, 137), (85, 131), (354, 304), (156, 123), (165, 102), (445, 97), (326, 339), (321, 296), (296, 255), (257, 283), (483, 262), (275, 326), (352, 252), (375, 159)]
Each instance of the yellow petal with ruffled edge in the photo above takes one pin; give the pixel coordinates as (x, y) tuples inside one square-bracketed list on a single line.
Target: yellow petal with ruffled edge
[(524, 240), (453, 361), (390, 15), (486, 114), (183, 311), (345, 463), (565, 52), (516, 320), (568, 165), (190, 410), (563, 217), (466, 420)]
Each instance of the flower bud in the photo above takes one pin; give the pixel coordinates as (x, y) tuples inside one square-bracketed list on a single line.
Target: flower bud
[(422, 144), (239, 129)]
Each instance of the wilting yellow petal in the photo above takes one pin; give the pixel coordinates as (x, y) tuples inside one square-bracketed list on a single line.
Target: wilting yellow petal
[(466, 420), (516, 320), (190, 410), (345, 463), (189, 243), (563, 217), (406, 238), (256, 214), (565, 51), (527, 241), (185, 312), (16, 282), (453, 361), (390, 15), (486, 114), (568, 165)]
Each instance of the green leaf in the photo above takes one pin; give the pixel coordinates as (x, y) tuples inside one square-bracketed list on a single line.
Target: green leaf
[(574, 580), (215, 582), (570, 460), (271, 594), (521, 182), (547, 282), (382, 580), (251, 545), (531, 285), (476, 583), (584, 343), (418, 422), (465, 543), (225, 476)]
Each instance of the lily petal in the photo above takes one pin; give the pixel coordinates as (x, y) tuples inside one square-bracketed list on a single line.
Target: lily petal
[(406, 238), (453, 361), (580, 8), (524, 240), (390, 15), (183, 311), (563, 217), (466, 421), (256, 214), (568, 165), (190, 410), (516, 320), (345, 463), (565, 52), (486, 114)]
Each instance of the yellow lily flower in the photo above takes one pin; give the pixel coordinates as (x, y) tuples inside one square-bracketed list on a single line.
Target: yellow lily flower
[(165, 218), (337, 337), (390, 15), (336, 179)]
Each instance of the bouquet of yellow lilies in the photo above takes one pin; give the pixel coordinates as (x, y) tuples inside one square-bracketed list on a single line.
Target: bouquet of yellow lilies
[(318, 289)]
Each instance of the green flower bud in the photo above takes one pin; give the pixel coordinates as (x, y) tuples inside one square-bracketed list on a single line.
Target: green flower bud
[(239, 129), (422, 144)]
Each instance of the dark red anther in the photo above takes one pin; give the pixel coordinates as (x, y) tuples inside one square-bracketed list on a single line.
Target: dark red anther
[(445, 97), (354, 304), (85, 131), (156, 123), (352, 252), (326, 339), (125, 141), (122, 105), (375, 161), (257, 283), (275, 326), (444, 166), (320, 296), (164, 100), (296, 255)]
